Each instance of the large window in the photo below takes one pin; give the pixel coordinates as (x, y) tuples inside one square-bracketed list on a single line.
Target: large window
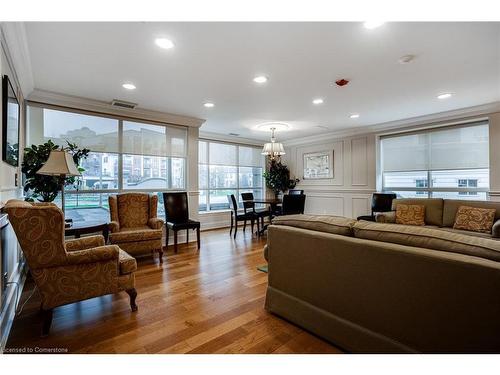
[(228, 169), (125, 155), (449, 162)]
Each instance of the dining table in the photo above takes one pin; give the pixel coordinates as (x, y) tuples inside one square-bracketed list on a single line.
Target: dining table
[(273, 203)]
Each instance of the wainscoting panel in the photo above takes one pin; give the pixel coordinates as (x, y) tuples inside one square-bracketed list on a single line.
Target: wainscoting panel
[(324, 205), (359, 162), (360, 206)]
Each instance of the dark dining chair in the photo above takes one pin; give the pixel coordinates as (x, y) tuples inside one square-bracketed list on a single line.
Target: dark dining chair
[(381, 202), (295, 192), (177, 216), (249, 204), (292, 205), (237, 215)]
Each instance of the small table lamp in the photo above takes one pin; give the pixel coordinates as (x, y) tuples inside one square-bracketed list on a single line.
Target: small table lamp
[(61, 164)]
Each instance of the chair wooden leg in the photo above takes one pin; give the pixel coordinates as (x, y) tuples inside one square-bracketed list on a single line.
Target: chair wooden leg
[(198, 237), (252, 223), (160, 254), (235, 227), (168, 232), (244, 225), (46, 321), (132, 294), (175, 241)]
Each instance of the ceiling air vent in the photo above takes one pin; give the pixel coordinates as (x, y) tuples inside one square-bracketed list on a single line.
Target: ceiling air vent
[(123, 104), (234, 134)]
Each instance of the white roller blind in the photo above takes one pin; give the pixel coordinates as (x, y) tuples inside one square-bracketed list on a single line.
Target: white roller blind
[(92, 132), (176, 141), (144, 139), (458, 147), (250, 156), (222, 153)]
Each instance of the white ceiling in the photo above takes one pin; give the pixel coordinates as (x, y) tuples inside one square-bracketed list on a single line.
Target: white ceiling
[(217, 61)]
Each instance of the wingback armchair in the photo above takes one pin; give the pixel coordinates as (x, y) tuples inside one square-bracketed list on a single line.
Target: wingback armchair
[(68, 271), (134, 225)]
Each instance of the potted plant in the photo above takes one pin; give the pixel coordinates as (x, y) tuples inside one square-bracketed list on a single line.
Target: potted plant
[(278, 178), (41, 187)]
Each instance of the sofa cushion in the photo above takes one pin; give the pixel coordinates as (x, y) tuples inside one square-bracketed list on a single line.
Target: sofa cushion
[(144, 233), (435, 239), (451, 206), (474, 219), (320, 223), (133, 209), (127, 263), (433, 208), (410, 214), (467, 232)]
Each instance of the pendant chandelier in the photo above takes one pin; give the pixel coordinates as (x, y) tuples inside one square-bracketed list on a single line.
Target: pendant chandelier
[(273, 150)]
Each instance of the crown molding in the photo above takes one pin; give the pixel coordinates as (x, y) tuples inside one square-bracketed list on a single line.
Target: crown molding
[(230, 139), (98, 106), (457, 115), (16, 43)]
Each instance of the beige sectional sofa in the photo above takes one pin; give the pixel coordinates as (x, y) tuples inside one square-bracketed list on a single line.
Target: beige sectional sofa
[(440, 213), (386, 288)]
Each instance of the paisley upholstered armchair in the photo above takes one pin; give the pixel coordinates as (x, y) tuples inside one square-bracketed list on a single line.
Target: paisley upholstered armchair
[(134, 225), (68, 271)]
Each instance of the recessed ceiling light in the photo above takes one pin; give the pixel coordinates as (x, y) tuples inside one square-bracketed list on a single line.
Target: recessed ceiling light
[(445, 95), (318, 101), (164, 43), (406, 59), (354, 115), (370, 25), (260, 79), (209, 105), (128, 86)]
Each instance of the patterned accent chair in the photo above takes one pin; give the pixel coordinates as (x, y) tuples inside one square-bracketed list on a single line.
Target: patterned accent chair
[(134, 225), (68, 271)]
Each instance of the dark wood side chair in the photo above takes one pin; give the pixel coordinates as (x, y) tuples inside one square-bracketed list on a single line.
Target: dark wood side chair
[(381, 202), (295, 192), (177, 216), (237, 216), (292, 204), (249, 205)]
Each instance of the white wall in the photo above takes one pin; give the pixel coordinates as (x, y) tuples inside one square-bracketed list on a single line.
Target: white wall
[(348, 193)]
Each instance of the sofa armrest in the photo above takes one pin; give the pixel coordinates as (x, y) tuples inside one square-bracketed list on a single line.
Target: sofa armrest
[(495, 229), (114, 226), (155, 223), (385, 217), (94, 255), (84, 243)]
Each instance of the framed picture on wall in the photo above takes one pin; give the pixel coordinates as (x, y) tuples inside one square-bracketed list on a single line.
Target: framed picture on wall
[(318, 165), (10, 123)]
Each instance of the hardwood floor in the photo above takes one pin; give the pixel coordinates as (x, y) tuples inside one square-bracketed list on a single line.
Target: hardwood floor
[(206, 302)]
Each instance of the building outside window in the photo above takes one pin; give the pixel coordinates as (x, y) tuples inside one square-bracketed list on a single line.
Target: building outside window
[(125, 156), (225, 169), (449, 162)]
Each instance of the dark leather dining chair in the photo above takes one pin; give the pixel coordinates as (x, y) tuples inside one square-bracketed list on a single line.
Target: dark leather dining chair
[(177, 216), (381, 202), (237, 215), (295, 192), (249, 205), (292, 204)]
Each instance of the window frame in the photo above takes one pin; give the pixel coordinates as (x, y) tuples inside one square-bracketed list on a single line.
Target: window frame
[(237, 165), (430, 189), (121, 153)]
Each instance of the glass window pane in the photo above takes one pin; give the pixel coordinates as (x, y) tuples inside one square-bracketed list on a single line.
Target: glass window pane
[(144, 172), (202, 152), (218, 199), (144, 139), (470, 195), (100, 173), (223, 176), (250, 156), (202, 201), (178, 168), (92, 132), (469, 178), (87, 207), (221, 153), (203, 176), (411, 194), (405, 179), (250, 177)]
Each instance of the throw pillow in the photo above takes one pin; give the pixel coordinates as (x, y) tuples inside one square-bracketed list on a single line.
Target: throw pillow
[(410, 214), (474, 219)]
